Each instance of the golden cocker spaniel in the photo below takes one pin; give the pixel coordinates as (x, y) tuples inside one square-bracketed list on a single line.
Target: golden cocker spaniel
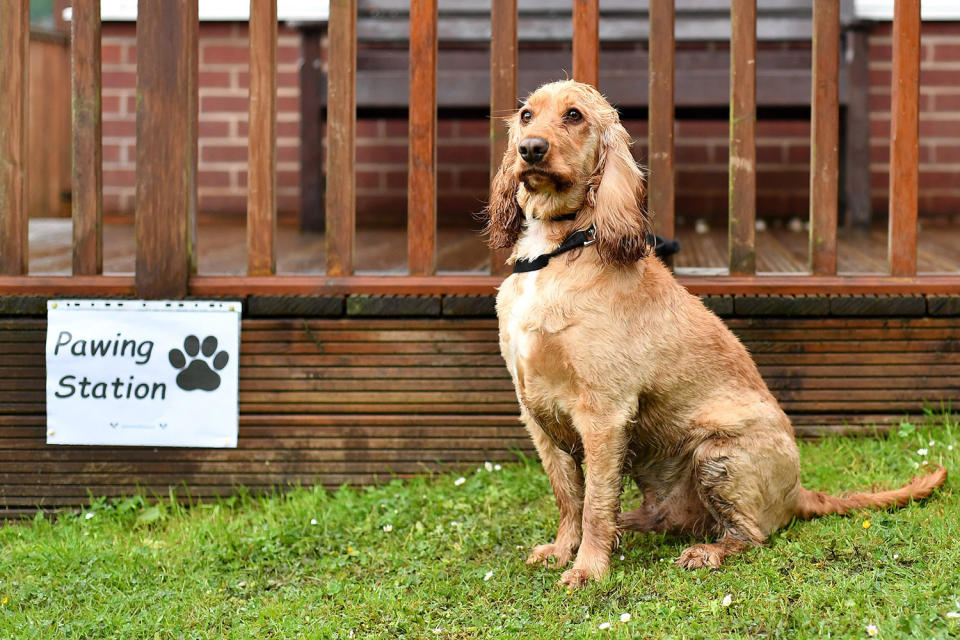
[(619, 370)]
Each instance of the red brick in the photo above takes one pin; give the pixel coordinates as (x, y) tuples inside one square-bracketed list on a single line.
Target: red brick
[(119, 178), (395, 128), (110, 104), (938, 180), (881, 52), (783, 179), (938, 77), (223, 153), (769, 154), (368, 179), (475, 129), (220, 203), (111, 53), (213, 129), (940, 128), (797, 154), (879, 102), (396, 180), (947, 102), (132, 53), (783, 128), (131, 104), (698, 128), (702, 180), (111, 152), (224, 54), (285, 79), (118, 79), (224, 104), (692, 154), (288, 103), (287, 153), (463, 153), (474, 179), (119, 128), (209, 178), (948, 153), (288, 178), (392, 153), (214, 79), (284, 129), (880, 77), (287, 54)]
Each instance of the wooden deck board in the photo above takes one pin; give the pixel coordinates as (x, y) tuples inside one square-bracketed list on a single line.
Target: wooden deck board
[(222, 250)]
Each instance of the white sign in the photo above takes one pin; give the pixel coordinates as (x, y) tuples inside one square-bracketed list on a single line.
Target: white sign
[(147, 373)]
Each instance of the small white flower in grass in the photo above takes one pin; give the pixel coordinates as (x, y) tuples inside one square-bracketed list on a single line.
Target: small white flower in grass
[(459, 481), (916, 465), (497, 467), (931, 443), (727, 600), (624, 617), (622, 556), (487, 577), (519, 546), (872, 630), (921, 452), (438, 630), (89, 515), (454, 523), (314, 521), (604, 626), (953, 614), (896, 555), (949, 447), (488, 466), (387, 528)]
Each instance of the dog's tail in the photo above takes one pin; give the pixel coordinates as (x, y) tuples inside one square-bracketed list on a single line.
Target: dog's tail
[(817, 503)]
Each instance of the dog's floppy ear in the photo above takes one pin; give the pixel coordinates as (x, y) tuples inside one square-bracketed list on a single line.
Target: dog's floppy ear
[(502, 213), (616, 194)]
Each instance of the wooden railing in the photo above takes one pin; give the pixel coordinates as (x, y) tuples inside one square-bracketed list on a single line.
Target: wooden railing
[(167, 154)]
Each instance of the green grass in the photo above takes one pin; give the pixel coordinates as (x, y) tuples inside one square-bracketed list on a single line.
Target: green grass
[(258, 568)]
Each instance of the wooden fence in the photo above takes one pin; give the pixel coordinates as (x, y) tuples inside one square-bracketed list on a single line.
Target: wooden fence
[(329, 394), (167, 154)]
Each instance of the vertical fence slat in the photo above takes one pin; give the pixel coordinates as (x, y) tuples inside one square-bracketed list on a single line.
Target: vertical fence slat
[(87, 196), (824, 138), (743, 125), (503, 96), (661, 91), (422, 169), (14, 56), (341, 138), (586, 41), (166, 147), (262, 140), (904, 138)]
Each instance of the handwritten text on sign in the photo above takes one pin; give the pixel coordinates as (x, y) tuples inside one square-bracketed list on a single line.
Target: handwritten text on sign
[(148, 373)]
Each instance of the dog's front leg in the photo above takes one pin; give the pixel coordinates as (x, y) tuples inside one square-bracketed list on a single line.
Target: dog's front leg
[(567, 482), (604, 443)]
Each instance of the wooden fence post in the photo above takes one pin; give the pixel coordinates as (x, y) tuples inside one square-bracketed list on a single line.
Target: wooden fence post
[(586, 41), (824, 138), (743, 126), (422, 169), (262, 140), (87, 196), (14, 56), (166, 147), (661, 95), (503, 97), (904, 139), (341, 212)]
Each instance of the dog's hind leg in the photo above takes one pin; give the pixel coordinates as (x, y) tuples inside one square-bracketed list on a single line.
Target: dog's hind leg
[(566, 478), (748, 485)]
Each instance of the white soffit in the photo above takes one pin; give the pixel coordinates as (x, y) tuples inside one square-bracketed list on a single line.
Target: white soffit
[(221, 10), (929, 9)]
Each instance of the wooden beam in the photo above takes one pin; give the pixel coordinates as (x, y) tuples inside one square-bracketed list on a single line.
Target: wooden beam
[(661, 197), (824, 138), (14, 56), (422, 168), (503, 97), (743, 126), (904, 138), (312, 178), (262, 140), (87, 195), (586, 41), (166, 147), (341, 138)]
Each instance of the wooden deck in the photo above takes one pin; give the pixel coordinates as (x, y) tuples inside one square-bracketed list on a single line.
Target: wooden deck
[(222, 250)]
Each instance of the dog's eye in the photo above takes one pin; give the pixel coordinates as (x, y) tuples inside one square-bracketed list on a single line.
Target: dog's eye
[(572, 116), (526, 116)]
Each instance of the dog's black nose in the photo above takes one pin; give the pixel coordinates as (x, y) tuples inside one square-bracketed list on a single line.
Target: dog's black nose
[(533, 149)]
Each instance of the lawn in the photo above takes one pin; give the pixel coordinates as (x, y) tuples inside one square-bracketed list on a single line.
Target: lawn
[(441, 557)]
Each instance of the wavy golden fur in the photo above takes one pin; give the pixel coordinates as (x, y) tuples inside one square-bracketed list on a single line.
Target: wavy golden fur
[(620, 371)]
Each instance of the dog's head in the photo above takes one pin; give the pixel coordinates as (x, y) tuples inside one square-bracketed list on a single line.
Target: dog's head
[(567, 152)]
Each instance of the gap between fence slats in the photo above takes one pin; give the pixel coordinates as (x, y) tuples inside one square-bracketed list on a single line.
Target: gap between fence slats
[(661, 92), (824, 138), (341, 138), (586, 41), (166, 195), (904, 138), (14, 56), (503, 96), (87, 185), (743, 124), (262, 140), (422, 169)]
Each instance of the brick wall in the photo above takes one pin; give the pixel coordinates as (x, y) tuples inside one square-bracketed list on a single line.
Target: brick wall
[(222, 140), (939, 118), (782, 146)]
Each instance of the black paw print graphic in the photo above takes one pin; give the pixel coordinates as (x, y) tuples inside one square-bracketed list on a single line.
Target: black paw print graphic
[(198, 374)]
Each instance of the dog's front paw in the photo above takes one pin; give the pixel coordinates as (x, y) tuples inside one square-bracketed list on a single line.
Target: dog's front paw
[(700, 556), (582, 572), (545, 553)]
